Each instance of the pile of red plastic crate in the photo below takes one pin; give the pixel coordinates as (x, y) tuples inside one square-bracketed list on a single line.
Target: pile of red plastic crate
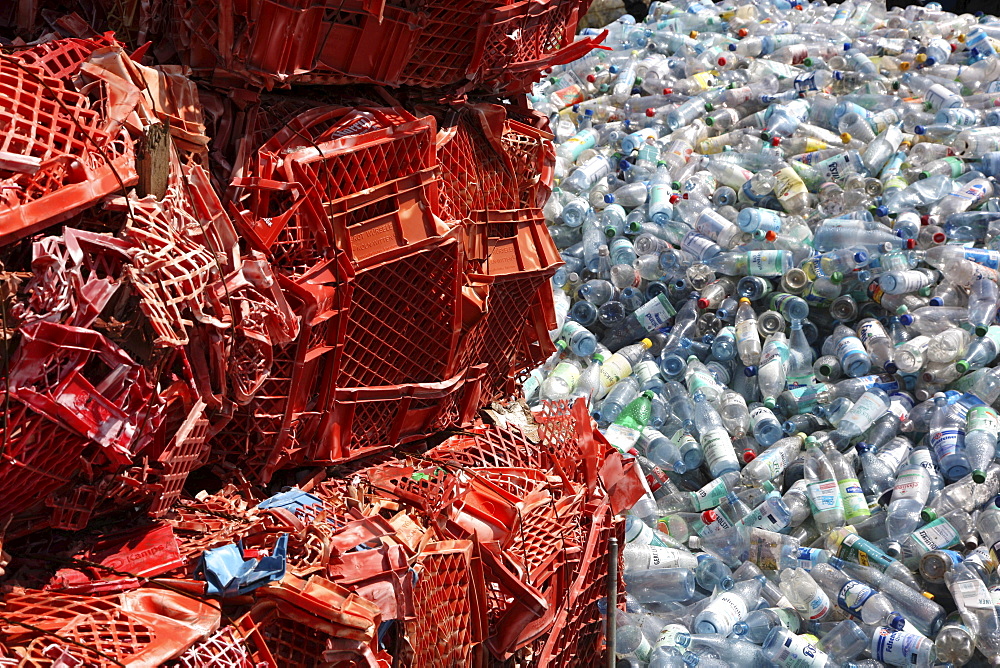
[(208, 285)]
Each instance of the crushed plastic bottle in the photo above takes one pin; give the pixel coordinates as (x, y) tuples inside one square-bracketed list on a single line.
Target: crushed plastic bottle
[(781, 229)]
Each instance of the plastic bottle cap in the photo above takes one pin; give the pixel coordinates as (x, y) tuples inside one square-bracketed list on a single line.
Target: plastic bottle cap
[(927, 515), (903, 66), (709, 106), (647, 343), (845, 137), (709, 121), (709, 516), (979, 476), (703, 303), (744, 300), (742, 32), (890, 367), (693, 34), (836, 277), (609, 198), (911, 244), (981, 330), (770, 402), (722, 61), (750, 371), (920, 130), (921, 57), (749, 456), (650, 113), (770, 235), (591, 78), (880, 211), (939, 237), (668, 91), (808, 62)]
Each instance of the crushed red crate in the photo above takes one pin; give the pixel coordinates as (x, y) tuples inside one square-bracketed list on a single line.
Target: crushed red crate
[(491, 44), (358, 180)]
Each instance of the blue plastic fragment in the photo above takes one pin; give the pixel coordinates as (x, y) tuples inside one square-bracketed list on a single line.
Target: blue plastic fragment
[(229, 574)]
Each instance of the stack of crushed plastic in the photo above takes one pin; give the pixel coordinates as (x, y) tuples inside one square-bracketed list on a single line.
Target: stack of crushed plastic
[(781, 231)]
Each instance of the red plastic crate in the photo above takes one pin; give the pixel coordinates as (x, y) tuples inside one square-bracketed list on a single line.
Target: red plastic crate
[(404, 321), (427, 43), (489, 161), (67, 160), (355, 179), (366, 420), (446, 626), (273, 429)]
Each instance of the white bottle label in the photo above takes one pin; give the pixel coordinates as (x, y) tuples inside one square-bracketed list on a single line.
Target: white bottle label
[(982, 418), (818, 605), (655, 313), (709, 496), (946, 442), (937, 535), (730, 608), (613, 370), (718, 448), (823, 495), (622, 437), (797, 652), (853, 596), (894, 647)]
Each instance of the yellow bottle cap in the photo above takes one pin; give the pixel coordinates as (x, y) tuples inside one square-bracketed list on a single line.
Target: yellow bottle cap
[(845, 137), (647, 343), (928, 595), (904, 66), (693, 34), (744, 300), (921, 58)]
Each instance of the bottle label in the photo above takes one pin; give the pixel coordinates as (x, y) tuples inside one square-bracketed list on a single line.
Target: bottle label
[(807, 557), (818, 606), (670, 634), (895, 647), (909, 484), (946, 442), (568, 373), (849, 345), (853, 595), (613, 370), (823, 495), (579, 143), (855, 548), (774, 460), (871, 331), (622, 437), (855, 503), (774, 352), (641, 652), (646, 371), (709, 496), (972, 594), (730, 608), (797, 652), (937, 535), (766, 262), (982, 418), (718, 449), (746, 333), (655, 313), (668, 557), (760, 413), (762, 517), (765, 549)]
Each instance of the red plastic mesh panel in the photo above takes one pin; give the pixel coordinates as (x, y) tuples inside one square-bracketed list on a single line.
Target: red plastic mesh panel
[(225, 649), (359, 179), (490, 162), (444, 52), (183, 455), (404, 321), (547, 530), (491, 446), (32, 467), (170, 269), (443, 598), (557, 432), (48, 610), (365, 419), (61, 58), (577, 635), (114, 635), (494, 339), (77, 162), (71, 511), (519, 35)]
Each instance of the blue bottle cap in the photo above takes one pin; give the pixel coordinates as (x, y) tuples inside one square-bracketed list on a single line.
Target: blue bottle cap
[(906, 319), (860, 256), (576, 109), (930, 62), (609, 199), (936, 301), (614, 69), (880, 211), (750, 371), (732, 47), (624, 165)]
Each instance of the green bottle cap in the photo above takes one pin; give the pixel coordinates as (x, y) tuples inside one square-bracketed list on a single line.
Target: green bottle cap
[(962, 366)]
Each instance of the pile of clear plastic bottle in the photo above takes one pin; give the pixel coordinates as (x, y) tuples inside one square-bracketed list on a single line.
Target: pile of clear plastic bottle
[(781, 233)]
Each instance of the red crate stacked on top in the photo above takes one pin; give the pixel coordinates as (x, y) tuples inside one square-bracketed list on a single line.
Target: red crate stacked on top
[(486, 44), (496, 174)]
